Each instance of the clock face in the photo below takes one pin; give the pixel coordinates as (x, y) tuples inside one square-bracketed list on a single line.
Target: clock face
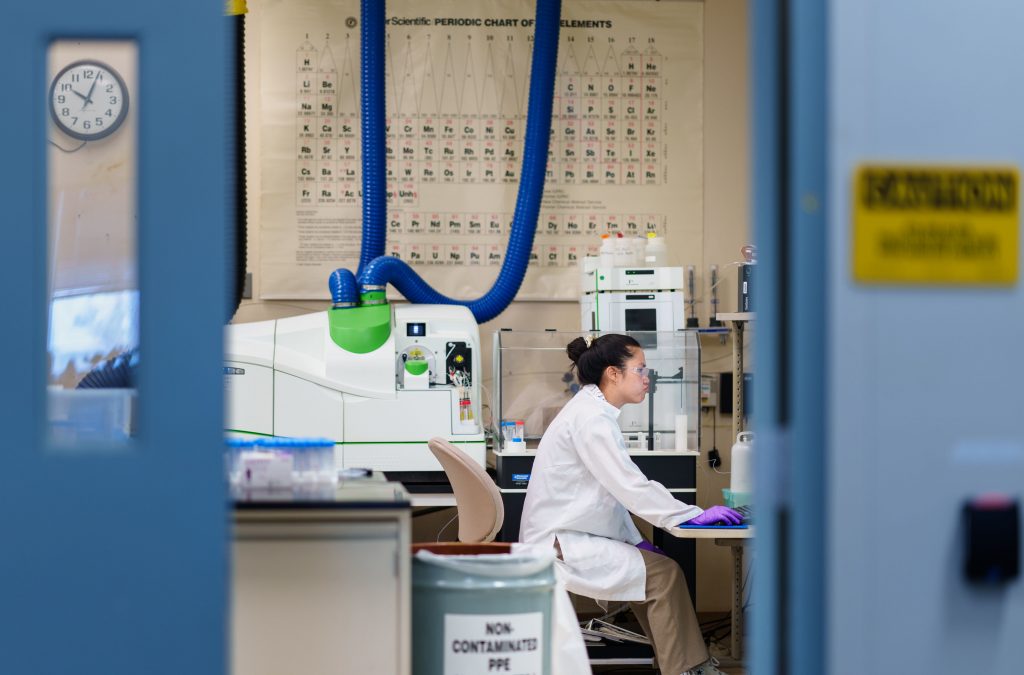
[(88, 100)]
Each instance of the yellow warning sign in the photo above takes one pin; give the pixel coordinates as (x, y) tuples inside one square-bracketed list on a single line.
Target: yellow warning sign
[(936, 225)]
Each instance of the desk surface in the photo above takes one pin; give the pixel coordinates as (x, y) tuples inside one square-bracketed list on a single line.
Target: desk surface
[(427, 499), (711, 533), (361, 493)]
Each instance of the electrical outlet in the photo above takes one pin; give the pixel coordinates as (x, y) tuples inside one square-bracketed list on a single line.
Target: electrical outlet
[(714, 458), (708, 395)]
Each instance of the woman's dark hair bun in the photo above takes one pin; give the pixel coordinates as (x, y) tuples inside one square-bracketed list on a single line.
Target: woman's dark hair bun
[(576, 348)]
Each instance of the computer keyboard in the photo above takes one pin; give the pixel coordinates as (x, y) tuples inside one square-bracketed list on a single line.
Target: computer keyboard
[(746, 511)]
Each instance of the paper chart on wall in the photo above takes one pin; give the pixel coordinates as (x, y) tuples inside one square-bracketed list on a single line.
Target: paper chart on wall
[(625, 149)]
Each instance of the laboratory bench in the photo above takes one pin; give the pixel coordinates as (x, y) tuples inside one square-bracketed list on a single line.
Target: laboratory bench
[(321, 580)]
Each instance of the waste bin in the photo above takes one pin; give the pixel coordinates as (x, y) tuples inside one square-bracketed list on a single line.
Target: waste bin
[(484, 613)]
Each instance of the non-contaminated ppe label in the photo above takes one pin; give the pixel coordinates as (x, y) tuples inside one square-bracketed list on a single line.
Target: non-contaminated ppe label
[(510, 644), (936, 225)]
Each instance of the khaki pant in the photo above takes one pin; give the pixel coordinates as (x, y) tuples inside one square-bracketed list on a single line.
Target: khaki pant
[(668, 617)]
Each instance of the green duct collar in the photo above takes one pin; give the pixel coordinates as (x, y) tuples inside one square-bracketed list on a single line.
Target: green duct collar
[(360, 330)]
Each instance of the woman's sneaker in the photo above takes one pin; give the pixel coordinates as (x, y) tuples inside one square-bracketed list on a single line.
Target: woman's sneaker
[(709, 667)]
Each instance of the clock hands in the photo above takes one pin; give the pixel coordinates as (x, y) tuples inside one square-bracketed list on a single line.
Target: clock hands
[(88, 97)]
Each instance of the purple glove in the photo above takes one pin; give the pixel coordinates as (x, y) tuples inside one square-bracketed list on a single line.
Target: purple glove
[(648, 546), (717, 514)]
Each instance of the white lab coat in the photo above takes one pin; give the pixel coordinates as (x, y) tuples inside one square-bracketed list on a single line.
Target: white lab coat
[(582, 489)]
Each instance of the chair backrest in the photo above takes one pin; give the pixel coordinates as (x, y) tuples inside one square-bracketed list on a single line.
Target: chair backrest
[(477, 499)]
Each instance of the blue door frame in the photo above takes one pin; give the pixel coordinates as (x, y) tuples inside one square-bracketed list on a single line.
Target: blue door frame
[(789, 66), (115, 561)]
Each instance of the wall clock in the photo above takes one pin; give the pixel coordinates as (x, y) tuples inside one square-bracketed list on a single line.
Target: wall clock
[(88, 100)]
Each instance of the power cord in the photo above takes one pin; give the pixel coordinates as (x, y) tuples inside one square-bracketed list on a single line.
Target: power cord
[(714, 457), (445, 527), (65, 149)]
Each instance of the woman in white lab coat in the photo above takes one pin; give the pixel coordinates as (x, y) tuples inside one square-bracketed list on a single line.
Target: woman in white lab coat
[(583, 488)]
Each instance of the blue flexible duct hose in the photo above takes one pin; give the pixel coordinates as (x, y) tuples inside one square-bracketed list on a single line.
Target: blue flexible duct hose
[(343, 287), (374, 126), (384, 269)]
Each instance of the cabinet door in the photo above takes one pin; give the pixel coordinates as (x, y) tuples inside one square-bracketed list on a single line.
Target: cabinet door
[(316, 598)]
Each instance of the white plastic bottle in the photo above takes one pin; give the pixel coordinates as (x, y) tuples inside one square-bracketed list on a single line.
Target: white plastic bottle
[(742, 472), (624, 251), (655, 253), (607, 253), (637, 243)]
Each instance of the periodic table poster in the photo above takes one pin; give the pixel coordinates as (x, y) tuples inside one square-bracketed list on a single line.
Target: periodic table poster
[(625, 151)]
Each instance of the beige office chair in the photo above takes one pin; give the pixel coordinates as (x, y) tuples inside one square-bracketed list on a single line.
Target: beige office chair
[(477, 499)]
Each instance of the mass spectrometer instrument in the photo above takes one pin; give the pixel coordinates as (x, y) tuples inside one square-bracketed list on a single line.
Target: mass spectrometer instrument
[(379, 391)]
